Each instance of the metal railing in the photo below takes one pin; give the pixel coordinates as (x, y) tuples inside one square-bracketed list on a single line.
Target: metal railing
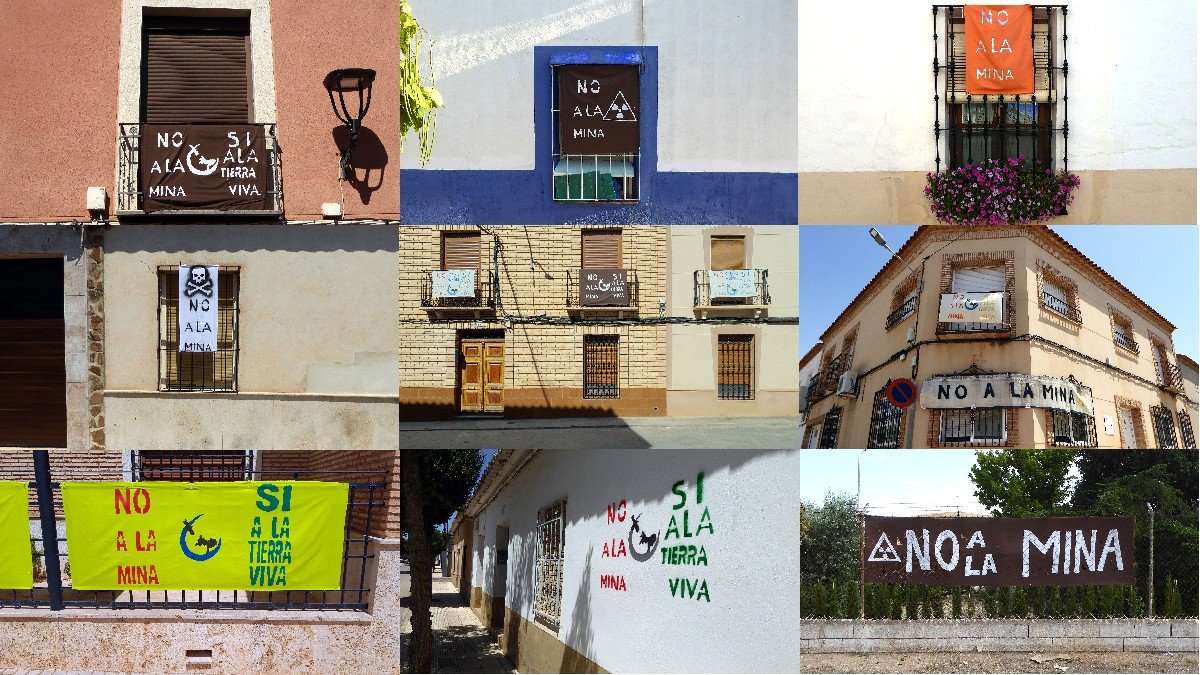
[(485, 295), (1126, 342), (1169, 375), (574, 287), (901, 313), (129, 191), (366, 509), (1061, 307), (1164, 427), (702, 296)]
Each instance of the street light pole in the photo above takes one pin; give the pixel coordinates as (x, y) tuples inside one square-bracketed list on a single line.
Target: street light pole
[(908, 428)]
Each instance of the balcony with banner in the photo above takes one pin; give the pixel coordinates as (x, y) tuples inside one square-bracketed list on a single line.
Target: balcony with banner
[(457, 293), (973, 313), (198, 170), (602, 291), (731, 292)]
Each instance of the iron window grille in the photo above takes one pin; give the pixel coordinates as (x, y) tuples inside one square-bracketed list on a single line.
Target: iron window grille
[(129, 194), (1123, 340), (366, 512), (198, 371), (735, 367), (982, 127), (886, 422), (601, 366), (551, 535), (192, 467), (1061, 307), (1185, 431), (582, 178), (830, 426), (1164, 427), (902, 312), (702, 296), (1072, 429), (977, 427)]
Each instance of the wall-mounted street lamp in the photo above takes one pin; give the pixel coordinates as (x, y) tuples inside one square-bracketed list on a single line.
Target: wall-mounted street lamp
[(355, 82)]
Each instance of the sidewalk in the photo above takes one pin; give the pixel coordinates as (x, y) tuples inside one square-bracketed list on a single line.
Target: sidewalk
[(460, 643)]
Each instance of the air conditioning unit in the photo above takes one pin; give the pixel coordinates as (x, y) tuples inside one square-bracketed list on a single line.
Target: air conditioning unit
[(911, 334), (848, 384)]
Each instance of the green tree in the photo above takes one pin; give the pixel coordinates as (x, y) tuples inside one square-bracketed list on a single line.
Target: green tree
[(829, 545), (1022, 483)]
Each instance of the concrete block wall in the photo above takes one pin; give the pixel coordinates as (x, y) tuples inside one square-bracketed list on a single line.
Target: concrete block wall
[(1004, 635)]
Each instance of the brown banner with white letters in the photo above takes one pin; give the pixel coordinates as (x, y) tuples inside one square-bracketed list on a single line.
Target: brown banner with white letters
[(999, 49), (1081, 551), (204, 167), (599, 109)]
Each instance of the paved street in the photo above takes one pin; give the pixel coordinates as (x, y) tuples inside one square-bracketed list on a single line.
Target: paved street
[(460, 643), (605, 432)]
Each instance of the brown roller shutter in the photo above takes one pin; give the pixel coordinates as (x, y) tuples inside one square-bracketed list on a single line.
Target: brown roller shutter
[(728, 253), (33, 374), (460, 250), (601, 250), (196, 70)]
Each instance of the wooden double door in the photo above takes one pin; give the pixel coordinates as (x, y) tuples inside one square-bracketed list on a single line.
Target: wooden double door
[(481, 372)]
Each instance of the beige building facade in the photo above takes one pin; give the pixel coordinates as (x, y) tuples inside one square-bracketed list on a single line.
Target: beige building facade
[(1072, 358)]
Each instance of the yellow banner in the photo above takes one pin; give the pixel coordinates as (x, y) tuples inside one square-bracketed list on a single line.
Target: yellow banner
[(16, 557), (258, 536)]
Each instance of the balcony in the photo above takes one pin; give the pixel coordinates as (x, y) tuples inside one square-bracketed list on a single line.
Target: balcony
[(734, 295), (481, 303), (1060, 307), (602, 291), (1126, 342), (1169, 376), (958, 327), (902, 312), (198, 170), (825, 382)]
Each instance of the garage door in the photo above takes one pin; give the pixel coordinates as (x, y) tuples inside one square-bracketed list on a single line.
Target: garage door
[(33, 377)]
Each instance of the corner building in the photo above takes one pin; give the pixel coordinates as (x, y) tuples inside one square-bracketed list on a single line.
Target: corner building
[(1074, 358)]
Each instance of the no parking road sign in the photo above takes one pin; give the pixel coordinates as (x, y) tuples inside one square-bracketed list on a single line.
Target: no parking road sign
[(901, 393)]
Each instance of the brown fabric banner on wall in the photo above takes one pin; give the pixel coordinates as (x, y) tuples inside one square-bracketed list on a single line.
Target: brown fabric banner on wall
[(209, 167), (599, 109), (1082, 551), (603, 288), (999, 49)]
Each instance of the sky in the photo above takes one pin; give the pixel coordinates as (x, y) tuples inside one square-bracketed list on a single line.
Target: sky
[(487, 459), (1157, 262)]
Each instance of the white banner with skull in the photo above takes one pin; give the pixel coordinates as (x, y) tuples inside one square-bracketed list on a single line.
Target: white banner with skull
[(198, 308)]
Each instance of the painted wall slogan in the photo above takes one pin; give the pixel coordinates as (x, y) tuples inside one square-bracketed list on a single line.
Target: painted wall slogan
[(1005, 391), (217, 167), (603, 288), (999, 551), (198, 308), (16, 560), (236, 536), (999, 50), (972, 307), (598, 109)]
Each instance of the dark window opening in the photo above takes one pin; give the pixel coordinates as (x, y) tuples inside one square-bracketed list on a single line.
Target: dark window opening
[(601, 368), (1072, 428), (830, 426), (198, 371), (886, 422), (735, 367), (1164, 427), (196, 70)]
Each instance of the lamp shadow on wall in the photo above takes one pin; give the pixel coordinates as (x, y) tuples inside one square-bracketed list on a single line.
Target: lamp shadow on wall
[(368, 163)]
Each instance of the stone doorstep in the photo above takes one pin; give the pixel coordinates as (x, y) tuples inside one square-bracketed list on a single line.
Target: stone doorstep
[(208, 616)]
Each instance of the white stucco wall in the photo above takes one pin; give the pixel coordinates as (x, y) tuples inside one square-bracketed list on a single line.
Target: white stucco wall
[(866, 85), (748, 624), (727, 77)]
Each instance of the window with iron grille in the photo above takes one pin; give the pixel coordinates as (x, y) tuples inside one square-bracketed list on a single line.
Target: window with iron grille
[(192, 467), (1185, 431), (982, 426), (596, 148), (886, 422), (1069, 428), (735, 367), (1164, 427), (1122, 330), (1001, 126), (830, 426), (551, 535), (198, 371), (601, 367)]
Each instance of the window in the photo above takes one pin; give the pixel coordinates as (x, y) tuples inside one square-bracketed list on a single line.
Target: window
[(979, 280), (830, 426), (1072, 428), (727, 252), (735, 367), (904, 302), (983, 426), (982, 127), (886, 422), (600, 366), (1129, 418), (198, 371), (600, 249), (196, 70), (1123, 333), (1164, 427), (193, 467), (596, 111), (1185, 431), (812, 436), (551, 533), (1056, 299)]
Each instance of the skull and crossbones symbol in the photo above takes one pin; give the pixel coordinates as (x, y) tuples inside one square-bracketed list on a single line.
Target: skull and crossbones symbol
[(199, 281)]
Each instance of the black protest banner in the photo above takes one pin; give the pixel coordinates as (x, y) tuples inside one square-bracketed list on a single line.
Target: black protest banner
[(599, 109), (208, 167)]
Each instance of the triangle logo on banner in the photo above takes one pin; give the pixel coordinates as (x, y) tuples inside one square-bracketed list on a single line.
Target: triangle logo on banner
[(882, 554), (619, 110)]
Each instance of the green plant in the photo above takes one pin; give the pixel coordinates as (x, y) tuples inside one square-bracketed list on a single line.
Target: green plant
[(1173, 602), (851, 608), (418, 101), (818, 600)]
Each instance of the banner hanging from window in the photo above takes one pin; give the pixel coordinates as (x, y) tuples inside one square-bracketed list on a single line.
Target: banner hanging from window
[(1081, 551), (198, 308), (16, 558), (999, 49), (604, 288), (599, 108), (453, 283), (972, 308), (731, 284), (256, 536), (206, 167)]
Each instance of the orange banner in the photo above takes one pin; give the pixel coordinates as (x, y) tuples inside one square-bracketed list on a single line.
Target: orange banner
[(999, 49)]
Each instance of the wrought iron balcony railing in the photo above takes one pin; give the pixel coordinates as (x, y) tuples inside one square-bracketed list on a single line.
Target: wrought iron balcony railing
[(902, 312), (1169, 376), (1126, 342), (131, 200), (760, 297), (610, 289), (484, 298), (1060, 307)]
